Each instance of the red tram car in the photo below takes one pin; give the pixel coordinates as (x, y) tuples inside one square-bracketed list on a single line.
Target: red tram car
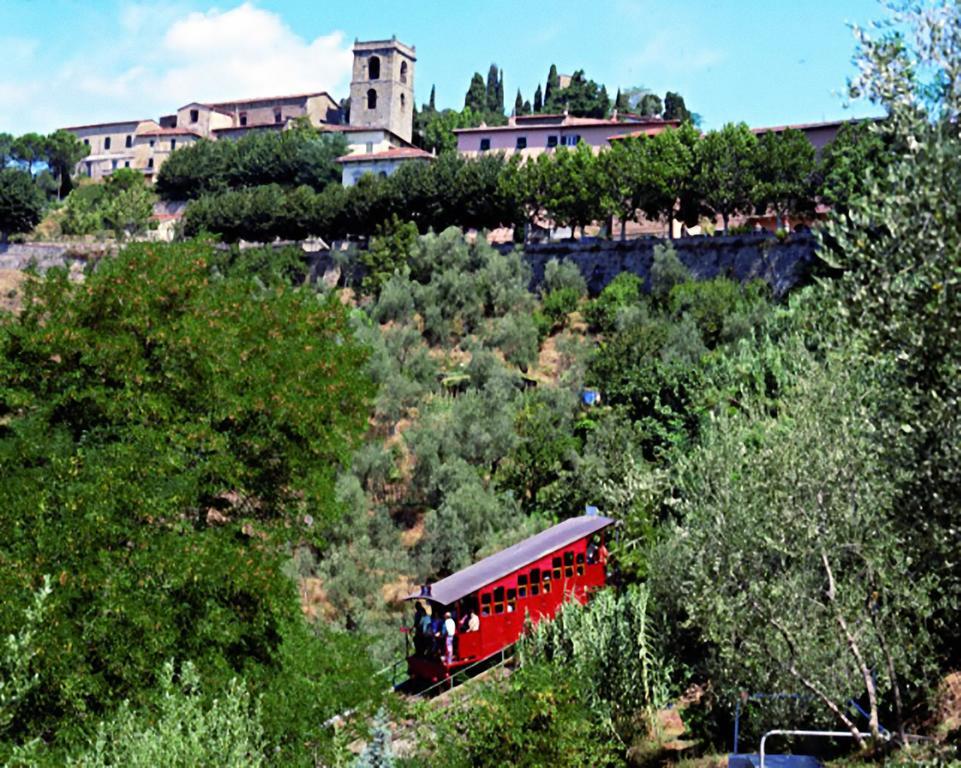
[(533, 577)]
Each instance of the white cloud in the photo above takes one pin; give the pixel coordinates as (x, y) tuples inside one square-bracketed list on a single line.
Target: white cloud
[(156, 63)]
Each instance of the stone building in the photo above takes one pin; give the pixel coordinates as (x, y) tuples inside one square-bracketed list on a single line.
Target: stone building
[(381, 120), (382, 88)]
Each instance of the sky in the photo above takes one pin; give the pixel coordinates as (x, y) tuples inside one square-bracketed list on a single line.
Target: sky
[(71, 62)]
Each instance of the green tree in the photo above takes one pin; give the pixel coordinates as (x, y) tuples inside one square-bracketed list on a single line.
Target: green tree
[(785, 174), (848, 164), (21, 203), (28, 150), (195, 170), (650, 105), (180, 425), (6, 149), (476, 97), (127, 204), (552, 87), (62, 152), (675, 108), (727, 170), (581, 98), (518, 103), (538, 100), (573, 187), (388, 253)]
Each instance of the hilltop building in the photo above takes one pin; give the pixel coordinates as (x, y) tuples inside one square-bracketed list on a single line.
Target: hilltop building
[(532, 135), (378, 130)]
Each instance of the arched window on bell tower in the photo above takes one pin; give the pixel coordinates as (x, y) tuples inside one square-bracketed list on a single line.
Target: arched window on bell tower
[(403, 71), (371, 99), (373, 68)]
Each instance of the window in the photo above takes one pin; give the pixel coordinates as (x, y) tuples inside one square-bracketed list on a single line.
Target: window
[(552, 141), (113, 165), (403, 71), (521, 142), (371, 99), (568, 564), (89, 168), (86, 142), (278, 116), (129, 142), (547, 582), (370, 147), (151, 143), (498, 600), (243, 118), (194, 115), (580, 563), (486, 604), (403, 102), (373, 68), (126, 163), (511, 600), (150, 163), (571, 140), (556, 565), (485, 145), (522, 586), (106, 143), (173, 144), (535, 581)]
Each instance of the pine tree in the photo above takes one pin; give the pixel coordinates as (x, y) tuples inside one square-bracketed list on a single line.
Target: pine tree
[(553, 86), (538, 99), (519, 103), (674, 107)]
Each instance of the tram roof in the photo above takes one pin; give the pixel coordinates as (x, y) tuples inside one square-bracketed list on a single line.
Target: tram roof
[(483, 572)]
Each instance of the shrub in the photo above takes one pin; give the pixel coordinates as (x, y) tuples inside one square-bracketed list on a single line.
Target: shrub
[(666, 272), (558, 304), (516, 336), (560, 275), (623, 291)]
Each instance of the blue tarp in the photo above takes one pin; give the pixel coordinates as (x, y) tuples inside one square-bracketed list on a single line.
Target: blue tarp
[(773, 761)]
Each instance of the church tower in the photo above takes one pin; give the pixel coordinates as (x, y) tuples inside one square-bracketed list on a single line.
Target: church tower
[(382, 87)]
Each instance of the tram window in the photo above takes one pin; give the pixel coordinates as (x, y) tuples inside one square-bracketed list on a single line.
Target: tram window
[(498, 600), (547, 582), (535, 581), (486, 604), (522, 585), (580, 558), (511, 600), (568, 564), (556, 563)]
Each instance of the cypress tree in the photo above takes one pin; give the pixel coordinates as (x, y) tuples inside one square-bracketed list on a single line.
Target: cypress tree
[(527, 107), (553, 86), (431, 105), (476, 97), (538, 99), (491, 90), (499, 106), (519, 103)]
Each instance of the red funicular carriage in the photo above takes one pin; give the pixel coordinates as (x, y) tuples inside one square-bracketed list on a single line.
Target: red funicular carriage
[(533, 577)]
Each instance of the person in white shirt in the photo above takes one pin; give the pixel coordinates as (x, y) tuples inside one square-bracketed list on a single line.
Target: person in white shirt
[(450, 629)]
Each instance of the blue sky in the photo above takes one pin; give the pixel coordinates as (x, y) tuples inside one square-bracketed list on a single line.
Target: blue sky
[(67, 62)]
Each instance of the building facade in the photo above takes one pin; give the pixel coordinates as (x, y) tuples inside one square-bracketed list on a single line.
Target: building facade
[(532, 135)]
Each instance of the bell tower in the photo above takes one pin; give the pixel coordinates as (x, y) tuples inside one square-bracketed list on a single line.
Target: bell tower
[(382, 86)]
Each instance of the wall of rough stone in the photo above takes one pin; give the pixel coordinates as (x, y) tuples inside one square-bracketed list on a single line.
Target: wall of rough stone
[(782, 264), (46, 255)]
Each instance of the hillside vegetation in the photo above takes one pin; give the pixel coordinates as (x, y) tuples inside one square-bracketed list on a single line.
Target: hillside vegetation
[(219, 480)]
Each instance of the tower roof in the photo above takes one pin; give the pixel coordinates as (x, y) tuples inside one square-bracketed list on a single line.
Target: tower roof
[(381, 45)]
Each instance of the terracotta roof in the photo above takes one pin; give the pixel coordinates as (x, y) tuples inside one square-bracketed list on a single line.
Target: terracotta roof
[(237, 102), (107, 125), (249, 126), (812, 126), (568, 122), (642, 132), (483, 572), (171, 132), (395, 153), (212, 107)]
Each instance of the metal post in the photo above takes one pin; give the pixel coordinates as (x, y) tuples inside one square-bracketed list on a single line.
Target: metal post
[(737, 723)]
